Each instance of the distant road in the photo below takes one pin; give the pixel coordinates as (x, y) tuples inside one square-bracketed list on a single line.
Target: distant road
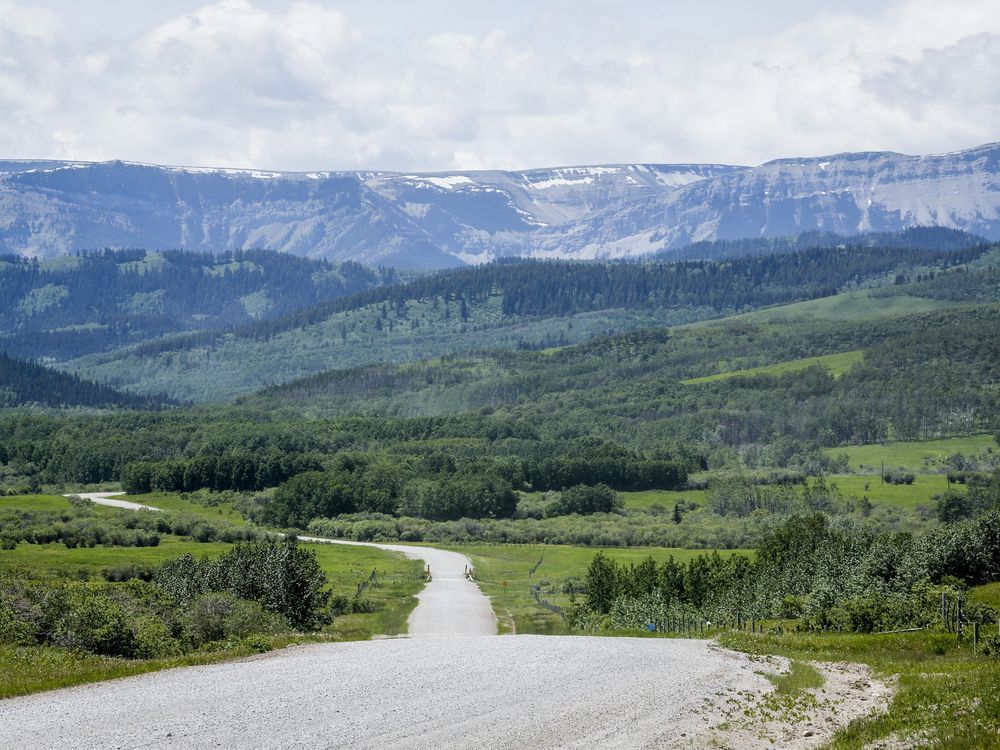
[(448, 605), (111, 500), (458, 692)]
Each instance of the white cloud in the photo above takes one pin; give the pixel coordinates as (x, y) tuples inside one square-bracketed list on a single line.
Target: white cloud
[(304, 88)]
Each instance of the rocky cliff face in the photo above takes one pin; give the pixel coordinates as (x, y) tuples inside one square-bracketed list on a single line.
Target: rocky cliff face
[(436, 220)]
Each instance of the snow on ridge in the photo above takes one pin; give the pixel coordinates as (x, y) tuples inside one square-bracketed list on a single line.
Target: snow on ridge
[(475, 259), (259, 174), (559, 181), (448, 182), (677, 179)]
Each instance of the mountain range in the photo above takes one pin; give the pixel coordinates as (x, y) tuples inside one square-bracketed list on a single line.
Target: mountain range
[(425, 221)]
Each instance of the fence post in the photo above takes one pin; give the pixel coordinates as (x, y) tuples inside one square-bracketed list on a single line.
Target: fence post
[(958, 616)]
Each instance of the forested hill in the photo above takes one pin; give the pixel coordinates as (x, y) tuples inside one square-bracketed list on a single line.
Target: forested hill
[(70, 306), (27, 384), (747, 380), (505, 305), (915, 238)]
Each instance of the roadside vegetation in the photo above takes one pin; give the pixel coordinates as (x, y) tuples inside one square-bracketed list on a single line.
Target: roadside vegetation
[(89, 592), (946, 693)]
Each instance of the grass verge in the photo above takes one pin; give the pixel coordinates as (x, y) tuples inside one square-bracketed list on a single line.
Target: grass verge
[(26, 670), (947, 697), (799, 677)]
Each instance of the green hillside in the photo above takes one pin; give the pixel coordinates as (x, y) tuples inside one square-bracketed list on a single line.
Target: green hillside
[(66, 307), (26, 384), (514, 307)]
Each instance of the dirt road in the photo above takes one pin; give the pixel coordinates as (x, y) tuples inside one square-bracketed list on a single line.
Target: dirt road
[(448, 692)]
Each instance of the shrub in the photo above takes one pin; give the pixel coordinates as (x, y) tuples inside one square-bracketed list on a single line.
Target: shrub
[(154, 638), (96, 623), (990, 646), (219, 616), (898, 476), (284, 578), (584, 500), (128, 572)]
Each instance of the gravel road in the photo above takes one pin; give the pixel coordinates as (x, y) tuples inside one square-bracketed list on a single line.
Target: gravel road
[(462, 692), (111, 500), (448, 605)]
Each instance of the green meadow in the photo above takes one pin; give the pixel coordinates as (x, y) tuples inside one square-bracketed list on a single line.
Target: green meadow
[(917, 456), (835, 364)]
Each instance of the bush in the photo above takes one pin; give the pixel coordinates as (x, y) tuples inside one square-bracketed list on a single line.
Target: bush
[(96, 623), (898, 476), (584, 500), (128, 572), (792, 607), (219, 616), (284, 578), (990, 646), (154, 638)]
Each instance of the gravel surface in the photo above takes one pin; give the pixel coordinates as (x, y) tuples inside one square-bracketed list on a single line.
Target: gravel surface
[(110, 499), (450, 604), (460, 692)]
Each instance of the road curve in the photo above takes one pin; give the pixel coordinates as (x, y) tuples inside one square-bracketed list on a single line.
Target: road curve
[(448, 605), (482, 692), (111, 500)]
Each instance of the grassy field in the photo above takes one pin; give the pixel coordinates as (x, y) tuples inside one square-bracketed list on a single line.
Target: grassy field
[(988, 594), (504, 573), (40, 502), (948, 697), (398, 579), (917, 456), (397, 582), (667, 498), (223, 511), (835, 364), (852, 306), (906, 496), (86, 563)]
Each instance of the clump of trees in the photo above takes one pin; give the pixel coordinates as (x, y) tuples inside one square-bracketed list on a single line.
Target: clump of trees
[(240, 471), (283, 577), (584, 500), (982, 493), (255, 590), (850, 579), (80, 525)]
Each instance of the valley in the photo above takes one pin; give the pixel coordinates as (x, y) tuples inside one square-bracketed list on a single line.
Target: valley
[(787, 453)]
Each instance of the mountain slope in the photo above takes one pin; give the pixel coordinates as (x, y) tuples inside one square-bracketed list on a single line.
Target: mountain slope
[(649, 386), (845, 194), (70, 306), (497, 306), (28, 384), (428, 221)]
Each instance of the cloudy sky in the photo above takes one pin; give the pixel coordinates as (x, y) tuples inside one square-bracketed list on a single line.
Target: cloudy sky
[(460, 84)]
